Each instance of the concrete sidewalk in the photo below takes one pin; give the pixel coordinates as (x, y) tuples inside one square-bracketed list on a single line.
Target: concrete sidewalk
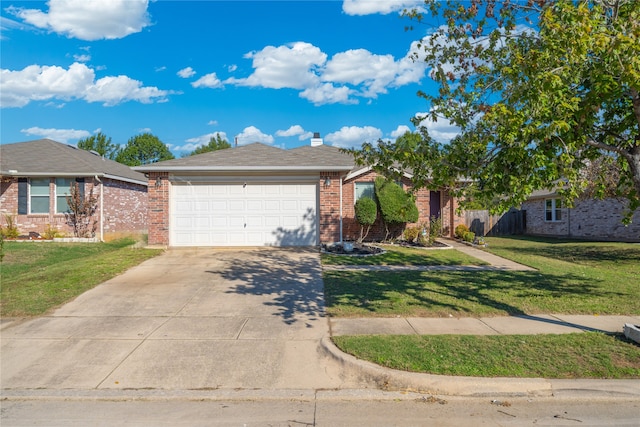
[(507, 325), (494, 261)]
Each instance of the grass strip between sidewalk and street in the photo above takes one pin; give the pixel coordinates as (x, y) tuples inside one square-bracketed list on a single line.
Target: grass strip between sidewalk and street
[(567, 356), (39, 276)]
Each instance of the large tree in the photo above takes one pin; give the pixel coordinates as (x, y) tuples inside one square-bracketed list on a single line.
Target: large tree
[(101, 144), (540, 90), (215, 143), (143, 149)]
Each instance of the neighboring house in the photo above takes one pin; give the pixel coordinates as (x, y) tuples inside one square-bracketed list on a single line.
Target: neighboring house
[(37, 175), (547, 215), (257, 195)]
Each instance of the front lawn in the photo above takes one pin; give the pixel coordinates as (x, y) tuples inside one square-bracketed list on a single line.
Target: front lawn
[(38, 276), (583, 355), (572, 278), (398, 255)]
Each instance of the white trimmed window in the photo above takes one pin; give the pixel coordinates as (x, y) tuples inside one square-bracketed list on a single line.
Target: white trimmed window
[(553, 210), (39, 195), (63, 188), (365, 189)]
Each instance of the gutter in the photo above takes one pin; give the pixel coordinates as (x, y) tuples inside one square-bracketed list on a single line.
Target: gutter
[(15, 173), (240, 168)]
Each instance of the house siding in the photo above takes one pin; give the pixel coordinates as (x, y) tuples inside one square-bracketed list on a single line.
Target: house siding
[(125, 208), (588, 219)]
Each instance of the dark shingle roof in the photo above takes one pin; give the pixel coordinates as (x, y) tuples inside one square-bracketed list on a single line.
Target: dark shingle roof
[(46, 157), (260, 157)]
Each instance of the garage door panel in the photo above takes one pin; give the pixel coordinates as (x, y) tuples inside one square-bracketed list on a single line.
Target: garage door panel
[(239, 215)]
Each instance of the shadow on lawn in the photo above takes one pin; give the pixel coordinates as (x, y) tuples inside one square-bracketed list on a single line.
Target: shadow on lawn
[(459, 293), (294, 281)]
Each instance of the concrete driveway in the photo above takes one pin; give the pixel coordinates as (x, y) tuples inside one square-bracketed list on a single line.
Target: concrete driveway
[(192, 319)]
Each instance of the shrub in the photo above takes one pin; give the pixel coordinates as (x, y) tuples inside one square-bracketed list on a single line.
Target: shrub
[(435, 229), (81, 211), (11, 230), (460, 230), (51, 232), (469, 236), (366, 214), (411, 234), (396, 205)]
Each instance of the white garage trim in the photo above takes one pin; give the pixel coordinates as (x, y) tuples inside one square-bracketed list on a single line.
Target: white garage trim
[(255, 211)]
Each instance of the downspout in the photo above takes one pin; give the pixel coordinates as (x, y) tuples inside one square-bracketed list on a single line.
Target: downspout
[(101, 209), (340, 209)]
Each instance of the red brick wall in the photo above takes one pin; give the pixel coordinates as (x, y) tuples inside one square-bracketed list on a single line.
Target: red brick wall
[(158, 211), (329, 207), (125, 206), (351, 228)]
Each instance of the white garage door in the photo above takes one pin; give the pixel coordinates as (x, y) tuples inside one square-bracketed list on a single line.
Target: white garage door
[(243, 214)]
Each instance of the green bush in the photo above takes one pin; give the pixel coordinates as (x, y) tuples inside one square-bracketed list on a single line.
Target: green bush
[(460, 230), (435, 229), (11, 230), (411, 233), (366, 214), (469, 236), (396, 205)]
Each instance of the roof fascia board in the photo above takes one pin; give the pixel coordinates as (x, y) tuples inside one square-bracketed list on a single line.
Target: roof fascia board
[(71, 175), (241, 168)]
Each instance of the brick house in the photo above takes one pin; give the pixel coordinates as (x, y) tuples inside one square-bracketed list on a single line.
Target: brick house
[(547, 215), (256, 195), (36, 177)]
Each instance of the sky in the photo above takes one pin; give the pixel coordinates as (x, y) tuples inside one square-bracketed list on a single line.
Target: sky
[(273, 72)]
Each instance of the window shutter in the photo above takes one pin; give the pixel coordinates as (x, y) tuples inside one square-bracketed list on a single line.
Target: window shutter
[(80, 182), (23, 196)]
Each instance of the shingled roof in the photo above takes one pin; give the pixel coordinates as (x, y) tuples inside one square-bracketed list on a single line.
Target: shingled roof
[(259, 157), (44, 157)]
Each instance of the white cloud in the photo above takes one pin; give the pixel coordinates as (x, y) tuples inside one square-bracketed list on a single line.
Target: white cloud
[(39, 83), (400, 130), (208, 80), (60, 135), (89, 20), (328, 94), (369, 7), (213, 123), (82, 58), (343, 79), (185, 73), (375, 73), (253, 134), (442, 130), (232, 68), (290, 66), (198, 141), (353, 136), (292, 131)]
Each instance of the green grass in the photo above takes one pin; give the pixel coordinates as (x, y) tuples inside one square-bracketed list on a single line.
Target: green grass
[(39, 276), (397, 255), (572, 278), (583, 355)]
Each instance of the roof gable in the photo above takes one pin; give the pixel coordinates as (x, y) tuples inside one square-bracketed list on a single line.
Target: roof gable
[(47, 157)]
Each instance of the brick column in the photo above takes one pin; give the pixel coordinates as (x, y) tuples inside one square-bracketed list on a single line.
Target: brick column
[(329, 208), (159, 208)]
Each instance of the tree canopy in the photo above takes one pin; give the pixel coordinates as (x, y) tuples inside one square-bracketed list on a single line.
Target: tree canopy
[(215, 143), (540, 90), (101, 144), (143, 149)]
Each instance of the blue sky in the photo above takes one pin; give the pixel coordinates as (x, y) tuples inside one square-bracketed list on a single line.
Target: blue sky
[(265, 71)]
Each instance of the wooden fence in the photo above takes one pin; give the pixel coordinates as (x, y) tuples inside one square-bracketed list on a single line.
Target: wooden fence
[(483, 224)]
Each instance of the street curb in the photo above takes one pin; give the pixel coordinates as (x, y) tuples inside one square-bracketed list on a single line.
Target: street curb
[(393, 380)]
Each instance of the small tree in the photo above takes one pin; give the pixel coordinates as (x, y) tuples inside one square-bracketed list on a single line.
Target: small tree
[(81, 211), (366, 214), (396, 206), (215, 143)]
